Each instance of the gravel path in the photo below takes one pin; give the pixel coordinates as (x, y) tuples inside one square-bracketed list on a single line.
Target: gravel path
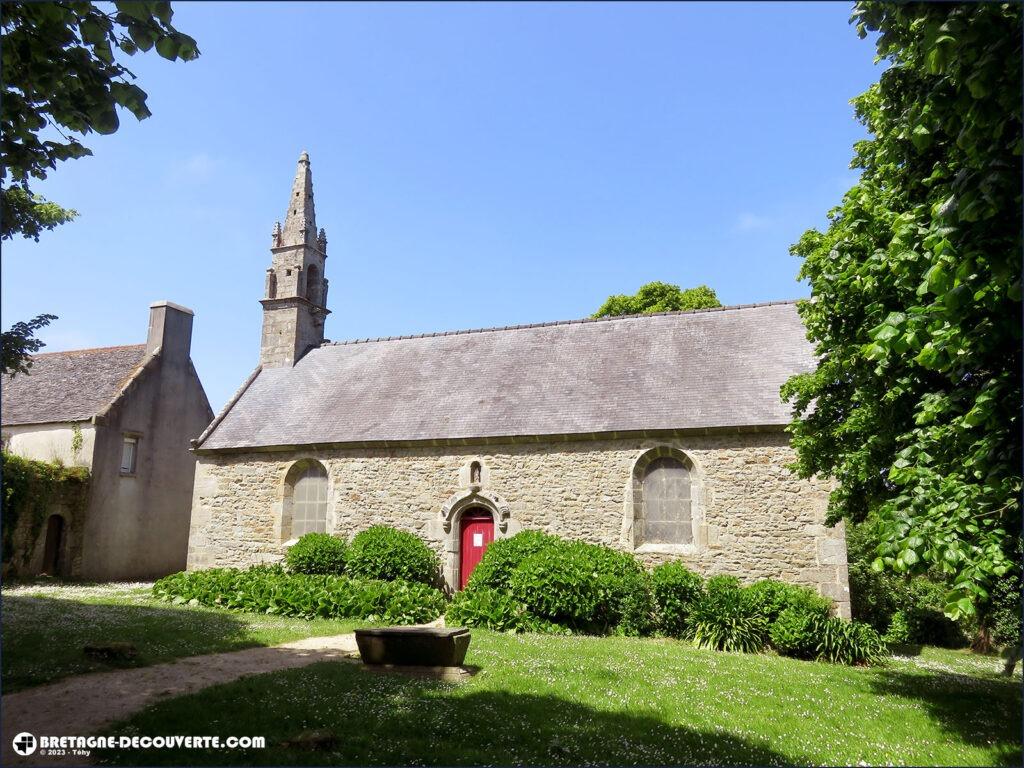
[(86, 704)]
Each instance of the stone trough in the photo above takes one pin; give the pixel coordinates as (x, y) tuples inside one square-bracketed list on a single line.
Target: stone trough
[(413, 646)]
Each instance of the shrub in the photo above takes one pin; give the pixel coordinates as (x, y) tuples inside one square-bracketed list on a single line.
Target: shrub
[(625, 592), (505, 555), (769, 598), (849, 642), (923, 602), (795, 633), (583, 587), (725, 620), (1004, 613), (638, 608), (676, 590), (898, 632), (317, 553), (729, 631), (877, 597), (272, 590), (874, 595), (556, 584), (722, 589), (388, 554), (488, 608)]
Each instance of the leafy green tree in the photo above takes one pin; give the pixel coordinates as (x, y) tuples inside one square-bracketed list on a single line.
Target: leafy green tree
[(659, 297), (18, 344), (61, 77), (916, 302)]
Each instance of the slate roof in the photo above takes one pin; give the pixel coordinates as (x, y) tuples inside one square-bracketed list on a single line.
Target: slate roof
[(68, 386), (680, 370)]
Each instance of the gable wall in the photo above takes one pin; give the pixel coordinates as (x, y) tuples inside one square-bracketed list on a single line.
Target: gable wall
[(137, 525), (51, 442), (753, 518)]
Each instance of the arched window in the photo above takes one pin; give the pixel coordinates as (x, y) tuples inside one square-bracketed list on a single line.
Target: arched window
[(306, 499), (666, 502), (313, 284)]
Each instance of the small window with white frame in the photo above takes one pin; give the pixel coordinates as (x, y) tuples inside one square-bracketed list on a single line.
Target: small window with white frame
[(129, 454)]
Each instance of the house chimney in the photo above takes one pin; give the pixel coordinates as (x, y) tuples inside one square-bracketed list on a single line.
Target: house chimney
[(170, 329)]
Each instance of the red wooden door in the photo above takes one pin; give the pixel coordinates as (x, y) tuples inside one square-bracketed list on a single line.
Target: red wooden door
[(477, 533)]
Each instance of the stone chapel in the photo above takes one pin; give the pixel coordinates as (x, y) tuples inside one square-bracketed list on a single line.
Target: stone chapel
[(662, 435)]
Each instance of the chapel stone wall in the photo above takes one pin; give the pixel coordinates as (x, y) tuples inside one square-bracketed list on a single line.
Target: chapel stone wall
[(753, 518)]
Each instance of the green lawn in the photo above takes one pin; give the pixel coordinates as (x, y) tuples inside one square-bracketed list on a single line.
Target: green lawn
[(540, 699), (47, 625)]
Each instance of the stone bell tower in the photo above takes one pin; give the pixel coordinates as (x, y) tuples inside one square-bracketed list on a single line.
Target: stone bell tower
[(295, 300)]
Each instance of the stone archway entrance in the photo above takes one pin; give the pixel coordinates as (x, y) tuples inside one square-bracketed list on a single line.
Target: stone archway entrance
[(449, 526), (476, 532), (54, 544)]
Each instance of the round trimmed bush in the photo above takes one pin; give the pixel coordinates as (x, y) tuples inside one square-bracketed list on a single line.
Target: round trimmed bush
[(494, 570), (557, 584), (677, 590), (583, 587), (386, 553), (317, 553)]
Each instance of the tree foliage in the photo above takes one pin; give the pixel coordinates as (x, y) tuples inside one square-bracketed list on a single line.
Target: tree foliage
[(659, 297), (916, 302), (18, 344), (60, 74)]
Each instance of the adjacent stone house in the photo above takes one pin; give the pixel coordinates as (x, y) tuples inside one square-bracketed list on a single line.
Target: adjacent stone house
[(127, 414), (661, 435)]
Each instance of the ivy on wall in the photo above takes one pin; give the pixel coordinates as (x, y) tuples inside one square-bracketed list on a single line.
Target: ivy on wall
[(29, 490)]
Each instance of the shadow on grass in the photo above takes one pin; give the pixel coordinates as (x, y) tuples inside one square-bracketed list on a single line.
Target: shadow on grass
[(44, 638), (981, 711), (340, 714)]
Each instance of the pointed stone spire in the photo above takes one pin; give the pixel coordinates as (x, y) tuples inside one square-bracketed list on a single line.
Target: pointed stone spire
[(300, 221), (295, 294)]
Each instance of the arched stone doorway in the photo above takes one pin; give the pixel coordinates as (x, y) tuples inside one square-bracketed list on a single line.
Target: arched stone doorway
[(53, 546), (476, 532), (450, 529)]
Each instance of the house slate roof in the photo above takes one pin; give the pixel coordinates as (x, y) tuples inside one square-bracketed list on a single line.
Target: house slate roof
[(669, 371), (68, 386)]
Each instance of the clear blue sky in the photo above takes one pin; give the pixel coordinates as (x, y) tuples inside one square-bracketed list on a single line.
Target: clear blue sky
[(474, 165)]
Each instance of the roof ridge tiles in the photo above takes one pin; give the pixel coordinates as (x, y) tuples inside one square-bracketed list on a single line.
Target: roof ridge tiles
[(90, 349), (580, 320)]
